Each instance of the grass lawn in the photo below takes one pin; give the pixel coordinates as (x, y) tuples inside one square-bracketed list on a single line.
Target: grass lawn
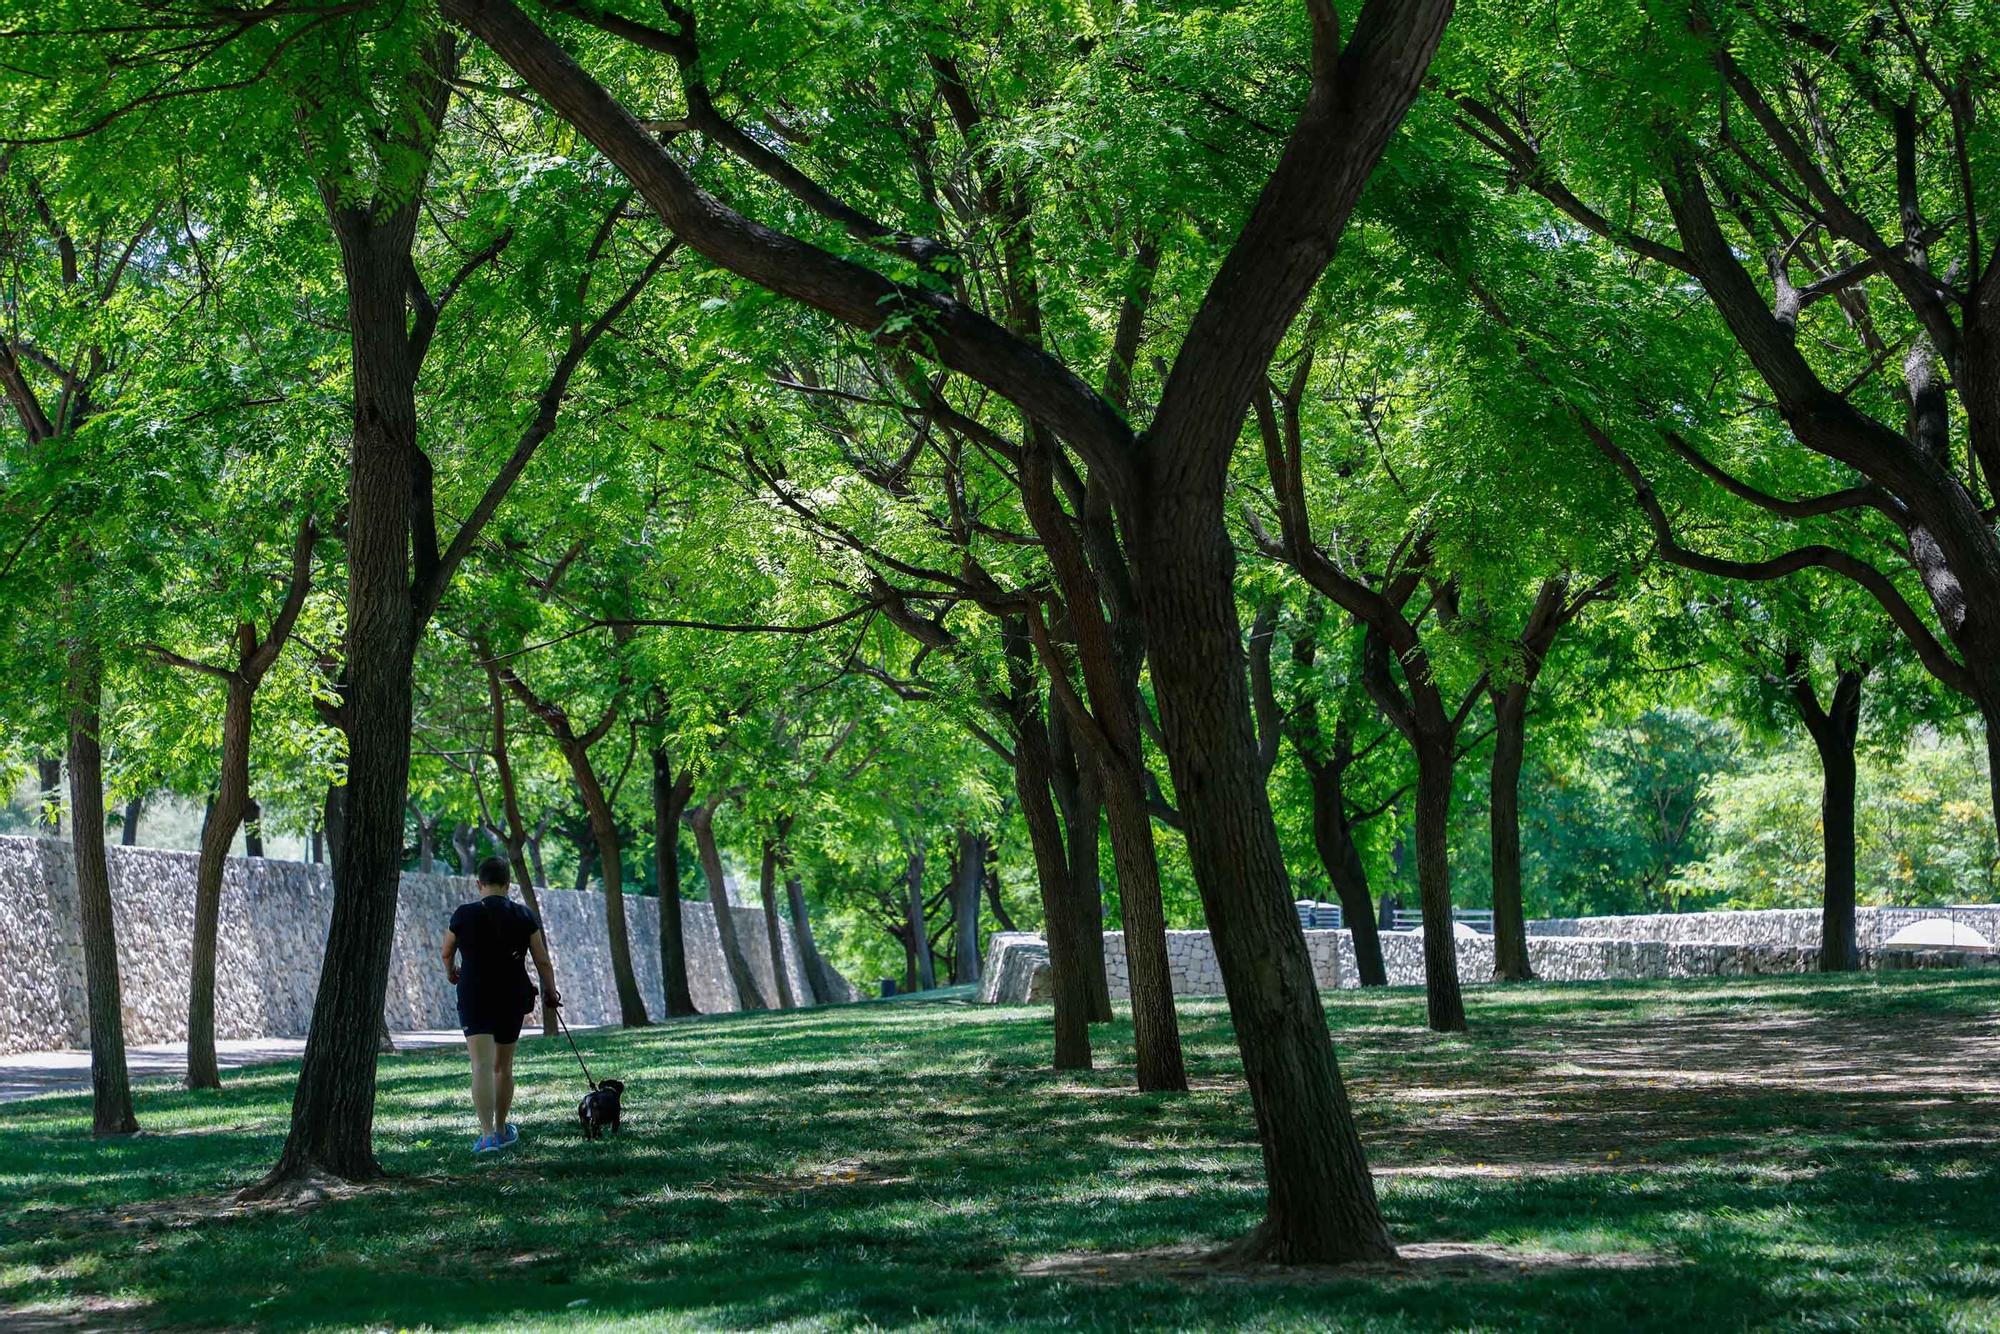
[(1799, 1153)]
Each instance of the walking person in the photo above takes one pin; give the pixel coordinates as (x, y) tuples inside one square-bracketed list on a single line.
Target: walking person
[(485, 951)]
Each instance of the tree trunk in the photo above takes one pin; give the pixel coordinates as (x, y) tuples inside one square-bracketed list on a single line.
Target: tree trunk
[(541, 872), (128, 835), (1326, 778), (702, 820), (465, 848), (49, 817), (1839, 944), (1109, 728), (218, 832), (1435, 761), (1069, 959), (1080, 794), (586, 861), (604, 830), (1333, 838), (426, 843), (515, 839), (1510, 923), (670, 797), (333, 1108), (1034, 780), (110, 1086), (1155, 1026), (920, 940), (774, 935), (333, 819), (825, 990), (966, 965), (253, 827), (1990, 715), (990, 876), (1321, 1204), (1833, 731)]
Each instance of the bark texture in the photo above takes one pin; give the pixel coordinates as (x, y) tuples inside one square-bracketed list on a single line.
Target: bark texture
[(968, 877), (1322, 1200), (1080, 796), (110, 1084), (1034, 773), (671, 792), (1446, 1006), (701, 819), (218, 831), (1834, 727), (1510, 929), (233, 803), (1557, 605), (604, 830), (774, 936), (1106, 730), (1326, 769), (825, 990), (918, 941), (1340, 856), (333, 1106)]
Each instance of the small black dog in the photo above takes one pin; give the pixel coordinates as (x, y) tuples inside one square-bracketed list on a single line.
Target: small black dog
[(599, 1110)]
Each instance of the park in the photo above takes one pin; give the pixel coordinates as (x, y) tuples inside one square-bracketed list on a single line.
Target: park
[(1289, 664)]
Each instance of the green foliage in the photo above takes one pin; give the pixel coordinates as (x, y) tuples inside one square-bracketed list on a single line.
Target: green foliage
[(728, 467), (1606, 826), (1922, 827)]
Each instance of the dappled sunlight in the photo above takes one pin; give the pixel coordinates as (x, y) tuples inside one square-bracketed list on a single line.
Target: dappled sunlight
[(1581, 1151)]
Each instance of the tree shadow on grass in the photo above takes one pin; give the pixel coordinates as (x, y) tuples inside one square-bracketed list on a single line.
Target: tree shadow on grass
[(887, 1171)]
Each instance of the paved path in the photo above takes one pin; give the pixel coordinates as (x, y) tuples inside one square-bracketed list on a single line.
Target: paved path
[(35, 1072)]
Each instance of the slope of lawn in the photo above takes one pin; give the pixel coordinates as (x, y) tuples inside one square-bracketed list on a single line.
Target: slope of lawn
[(1801, 1153)]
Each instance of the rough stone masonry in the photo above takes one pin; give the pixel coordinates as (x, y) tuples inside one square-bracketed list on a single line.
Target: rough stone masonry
[(274, 920), (1577, 949)]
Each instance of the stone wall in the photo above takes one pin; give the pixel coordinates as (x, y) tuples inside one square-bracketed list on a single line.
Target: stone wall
[(274, 920), (1795, 928), (1191, 962), (1013, 959), (1009, 970), (1655, 946)]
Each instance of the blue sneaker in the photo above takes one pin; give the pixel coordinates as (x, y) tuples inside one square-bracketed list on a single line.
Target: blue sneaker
[(486, 1144), (509, 1134)]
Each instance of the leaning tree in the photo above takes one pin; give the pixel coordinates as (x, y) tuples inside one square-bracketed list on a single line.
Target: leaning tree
[(1166, 484)]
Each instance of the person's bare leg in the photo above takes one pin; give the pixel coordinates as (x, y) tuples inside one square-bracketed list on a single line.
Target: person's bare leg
[(480, 1047), (503, 1083)]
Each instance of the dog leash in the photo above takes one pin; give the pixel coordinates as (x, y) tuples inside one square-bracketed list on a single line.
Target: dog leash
[(560, 1023)]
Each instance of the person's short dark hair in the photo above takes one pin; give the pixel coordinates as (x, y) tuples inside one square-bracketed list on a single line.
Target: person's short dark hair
[(495, 871)]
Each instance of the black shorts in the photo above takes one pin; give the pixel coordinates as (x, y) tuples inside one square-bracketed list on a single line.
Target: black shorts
[(501, 1018)]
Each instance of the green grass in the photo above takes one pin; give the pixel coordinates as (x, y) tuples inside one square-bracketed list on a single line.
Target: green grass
[(1809, 1153)]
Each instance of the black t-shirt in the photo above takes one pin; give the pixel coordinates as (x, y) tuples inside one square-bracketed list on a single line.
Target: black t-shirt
[(493, 939)]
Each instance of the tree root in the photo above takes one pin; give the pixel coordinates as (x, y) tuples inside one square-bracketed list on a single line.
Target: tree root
[(302, 1184), (1249, 1261), (1263, 1246)]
